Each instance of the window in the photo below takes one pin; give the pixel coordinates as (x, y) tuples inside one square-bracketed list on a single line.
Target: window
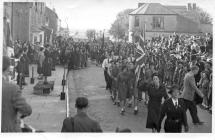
[(158, 23), (41, 38), (137, 21), (41, 10), (47, 21), (36, 6), (35, 39)]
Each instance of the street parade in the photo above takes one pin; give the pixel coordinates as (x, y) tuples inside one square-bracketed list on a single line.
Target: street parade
[(153, 84)]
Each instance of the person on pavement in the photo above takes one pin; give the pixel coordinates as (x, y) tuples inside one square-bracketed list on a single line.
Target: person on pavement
[(14, 105), (81, 122)]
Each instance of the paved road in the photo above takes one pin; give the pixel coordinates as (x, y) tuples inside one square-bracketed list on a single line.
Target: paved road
[(89, 82)]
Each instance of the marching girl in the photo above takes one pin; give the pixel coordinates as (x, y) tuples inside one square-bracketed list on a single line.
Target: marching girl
[(156, 92), (122, 84)]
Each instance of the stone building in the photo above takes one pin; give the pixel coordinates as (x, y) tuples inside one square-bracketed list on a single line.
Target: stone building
[(31, 21), (7, 37), (50, 24), (153, 19), (27, 21)]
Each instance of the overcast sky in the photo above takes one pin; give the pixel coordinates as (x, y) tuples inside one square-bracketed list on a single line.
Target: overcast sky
[(100, 14)]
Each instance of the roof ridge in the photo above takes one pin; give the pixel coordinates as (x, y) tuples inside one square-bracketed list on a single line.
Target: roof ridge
[(143, 6), (168, 9)]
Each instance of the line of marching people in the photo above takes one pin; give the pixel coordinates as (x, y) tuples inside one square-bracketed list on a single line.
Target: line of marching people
[(182, 69)]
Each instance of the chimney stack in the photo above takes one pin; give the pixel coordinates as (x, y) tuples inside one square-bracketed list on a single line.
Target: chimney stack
[(194, 6), (189, 7), (140, 4)]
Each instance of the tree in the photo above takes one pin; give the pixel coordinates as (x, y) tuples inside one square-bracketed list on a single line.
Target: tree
[(204, 17), (90, 34), (119, 28)]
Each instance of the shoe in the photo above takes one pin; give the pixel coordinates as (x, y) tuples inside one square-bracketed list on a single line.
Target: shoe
[(114, 103), (111, 97), (129, 105), (25, 84), (122, 111), (199, 123), (135, 112)]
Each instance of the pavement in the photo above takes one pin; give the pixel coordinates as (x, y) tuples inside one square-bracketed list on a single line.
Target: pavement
[(48, 111), (89, 82)]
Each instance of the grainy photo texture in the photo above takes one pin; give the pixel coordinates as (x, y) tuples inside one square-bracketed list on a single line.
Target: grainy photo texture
[(121, 66)]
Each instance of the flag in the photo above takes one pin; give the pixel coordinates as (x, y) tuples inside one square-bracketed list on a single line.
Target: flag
[(140, 55), (103, 40), (140, 60)]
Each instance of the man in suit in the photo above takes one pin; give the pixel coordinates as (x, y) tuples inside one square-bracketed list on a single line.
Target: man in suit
[(188, 94), (81, 122), (13, 104)]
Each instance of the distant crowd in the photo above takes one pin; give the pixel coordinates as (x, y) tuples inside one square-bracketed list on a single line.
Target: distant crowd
[(181, 64)]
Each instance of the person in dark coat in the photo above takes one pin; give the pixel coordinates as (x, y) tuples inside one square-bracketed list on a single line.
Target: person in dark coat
[(47, 67), (76, 58), (122, 83), (13, 104), (20, 69), (156, 91), (81, 122), (71, 61), (26, 63), (131, 83), (174, 109), (114, 71), (41, 58)]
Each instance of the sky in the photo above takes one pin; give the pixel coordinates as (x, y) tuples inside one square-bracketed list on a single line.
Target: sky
[(100, 14)]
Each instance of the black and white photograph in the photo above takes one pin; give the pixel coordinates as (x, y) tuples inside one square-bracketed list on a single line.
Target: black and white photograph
[(107, 66)]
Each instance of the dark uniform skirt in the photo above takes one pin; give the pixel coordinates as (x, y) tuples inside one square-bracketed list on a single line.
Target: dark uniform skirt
[(47, 67), (154, 109), (123, 91)]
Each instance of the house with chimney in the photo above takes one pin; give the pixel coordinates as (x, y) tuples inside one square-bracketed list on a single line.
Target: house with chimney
[(30, 21), (154, 19)]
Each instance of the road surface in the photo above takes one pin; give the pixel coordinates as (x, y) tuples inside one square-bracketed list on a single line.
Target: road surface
[(89, 82)]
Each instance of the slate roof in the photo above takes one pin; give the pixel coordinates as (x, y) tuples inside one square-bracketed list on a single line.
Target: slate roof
[(153, 9)]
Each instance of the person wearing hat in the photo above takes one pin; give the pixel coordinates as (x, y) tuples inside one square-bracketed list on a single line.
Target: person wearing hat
[(81, 122), (174, 110), (14, 105)]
